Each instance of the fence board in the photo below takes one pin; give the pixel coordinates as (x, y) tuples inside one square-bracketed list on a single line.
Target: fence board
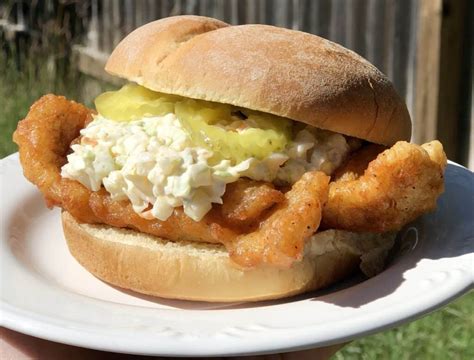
[(116, 24), (128, 16), (427, 80), (375, 32), (355, 25), (252, 11), (107, 28), (93, 33), (449, 122), (337, 24)]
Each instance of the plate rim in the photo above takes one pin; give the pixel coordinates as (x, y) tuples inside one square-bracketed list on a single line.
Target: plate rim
[(50, 332)]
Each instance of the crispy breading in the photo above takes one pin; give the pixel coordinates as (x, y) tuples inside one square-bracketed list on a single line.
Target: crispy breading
[(245, 200), (401, 184), (212, 228), (43, 138), (281, 237), (356, 164)]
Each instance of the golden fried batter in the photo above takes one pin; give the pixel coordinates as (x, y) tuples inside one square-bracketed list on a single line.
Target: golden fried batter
[(281, 237), (43, 138), (357, 163), (401, 184), (178, 226), (245, 200)]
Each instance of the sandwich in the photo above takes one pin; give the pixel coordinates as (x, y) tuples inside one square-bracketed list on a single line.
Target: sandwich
[(238, 163)]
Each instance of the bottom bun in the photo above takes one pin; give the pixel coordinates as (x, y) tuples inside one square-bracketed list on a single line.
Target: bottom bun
[(200, 271)]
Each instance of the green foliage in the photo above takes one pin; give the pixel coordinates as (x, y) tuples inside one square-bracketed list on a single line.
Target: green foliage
[(37, 75), (20, 87)]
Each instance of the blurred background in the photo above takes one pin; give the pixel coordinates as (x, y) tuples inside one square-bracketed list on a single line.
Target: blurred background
[(423, 46)]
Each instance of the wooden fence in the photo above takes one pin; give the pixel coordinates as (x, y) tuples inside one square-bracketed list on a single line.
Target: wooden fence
[(424, 46)]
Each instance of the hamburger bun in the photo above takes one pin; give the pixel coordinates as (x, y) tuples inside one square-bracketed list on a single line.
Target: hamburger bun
[(199, 271), (274, 70)]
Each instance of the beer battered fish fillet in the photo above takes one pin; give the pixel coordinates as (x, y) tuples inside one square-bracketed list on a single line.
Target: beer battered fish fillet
[(257, 223), (401, 184), (280, 239), (44, 138), (245, 200)]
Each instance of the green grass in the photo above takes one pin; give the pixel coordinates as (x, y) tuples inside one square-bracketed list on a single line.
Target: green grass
[(19, 89), (445, 334)]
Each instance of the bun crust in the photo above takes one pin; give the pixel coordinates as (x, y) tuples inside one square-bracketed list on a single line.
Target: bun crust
[(198, 271), (279, 71)]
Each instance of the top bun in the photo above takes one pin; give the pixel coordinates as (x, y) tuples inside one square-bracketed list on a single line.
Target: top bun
[(279, 71)]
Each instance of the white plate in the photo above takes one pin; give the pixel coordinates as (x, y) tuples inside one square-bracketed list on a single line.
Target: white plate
[(45, 292)]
